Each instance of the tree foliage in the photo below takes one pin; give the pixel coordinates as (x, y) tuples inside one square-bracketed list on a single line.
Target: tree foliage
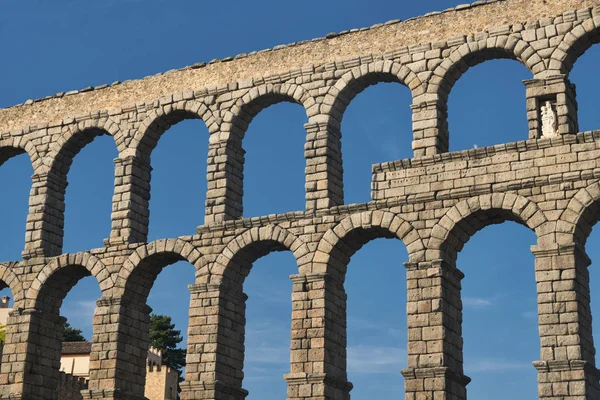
[(72, 334), (165, 337), (2, 333)]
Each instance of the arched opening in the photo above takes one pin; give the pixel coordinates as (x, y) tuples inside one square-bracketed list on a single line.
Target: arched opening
[(5, 292), (269, 318), (6, 306), (487, 106), (15, 178), (168, 331), (371, 326), (586, 236), (500, 319), (256, 342), (64, 342), (79, 305), (273, 148), (498, 294), (588, 89), (593, 252), (179, 182), (158, 296), (376, 127), (376, 319), (88, 198)]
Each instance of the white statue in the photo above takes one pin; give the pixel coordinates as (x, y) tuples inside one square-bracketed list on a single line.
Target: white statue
[(548, 121)]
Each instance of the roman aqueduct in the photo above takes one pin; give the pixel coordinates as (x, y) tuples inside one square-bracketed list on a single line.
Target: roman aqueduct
[(433, 203)]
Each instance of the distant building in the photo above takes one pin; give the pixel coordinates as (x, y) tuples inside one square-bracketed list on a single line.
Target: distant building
[(75, 359), (162, 382), (4, 309)]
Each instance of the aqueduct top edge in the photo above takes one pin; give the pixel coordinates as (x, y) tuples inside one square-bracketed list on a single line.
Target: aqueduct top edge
[(379, 39)]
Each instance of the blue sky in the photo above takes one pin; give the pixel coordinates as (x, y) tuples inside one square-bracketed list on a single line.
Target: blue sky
[(61, 45)]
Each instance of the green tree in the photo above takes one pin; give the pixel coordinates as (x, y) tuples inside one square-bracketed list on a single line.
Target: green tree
[(2, 334), (164, 336), (72, 334)]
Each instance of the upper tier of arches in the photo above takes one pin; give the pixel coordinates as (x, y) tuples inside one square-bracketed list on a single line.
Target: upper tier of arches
[(547, 49)]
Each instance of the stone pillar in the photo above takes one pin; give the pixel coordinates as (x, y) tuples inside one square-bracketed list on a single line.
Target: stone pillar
[(119, 350), (225, 176), (430, 128), (435, 361), (14, 356), (215, 350), (560, 92), (31, 359), (45, 222), (318, 347), (567, 366), (324, 172), (130, 212)]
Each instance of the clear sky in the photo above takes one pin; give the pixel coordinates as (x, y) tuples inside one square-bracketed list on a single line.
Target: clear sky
[(61, 45)]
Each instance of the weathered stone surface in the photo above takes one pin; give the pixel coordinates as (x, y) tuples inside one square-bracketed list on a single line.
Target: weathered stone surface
[(434, 203)]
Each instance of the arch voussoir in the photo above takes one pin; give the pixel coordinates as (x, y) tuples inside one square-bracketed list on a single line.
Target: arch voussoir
[(24, 145), (460, 222), (175, 247), (475, 52), (94, 266), (352, 232), (574, 44), (77, 131), (581, 214), (158, 120), (254, 243), (12, 281), (241, 113)]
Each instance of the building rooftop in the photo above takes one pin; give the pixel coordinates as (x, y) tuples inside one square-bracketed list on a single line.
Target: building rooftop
[(74, 348)]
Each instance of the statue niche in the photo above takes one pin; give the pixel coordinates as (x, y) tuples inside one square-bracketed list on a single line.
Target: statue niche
[(549, 121)]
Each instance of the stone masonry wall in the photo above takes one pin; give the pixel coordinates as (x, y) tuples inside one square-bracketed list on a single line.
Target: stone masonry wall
[(433, 202), (69, 387)]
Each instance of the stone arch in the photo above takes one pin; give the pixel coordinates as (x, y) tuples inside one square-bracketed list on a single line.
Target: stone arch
[(66, 146), (10, 280), (13, 146), (227, 145), (47, 212), (164, 117), (360, 78), (574, 44), (133, 283), (43, 301), (235, 261), (473, 53), (339, 243), (462, 221), (52, 284), (240, 115), (133, 165), (137, 275), (582, 213)]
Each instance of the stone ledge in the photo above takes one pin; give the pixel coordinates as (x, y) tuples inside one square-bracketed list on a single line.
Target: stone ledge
[(435, 372), (566, 366), (300, 378), (556, 249), (488, 151), (219, 386)]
